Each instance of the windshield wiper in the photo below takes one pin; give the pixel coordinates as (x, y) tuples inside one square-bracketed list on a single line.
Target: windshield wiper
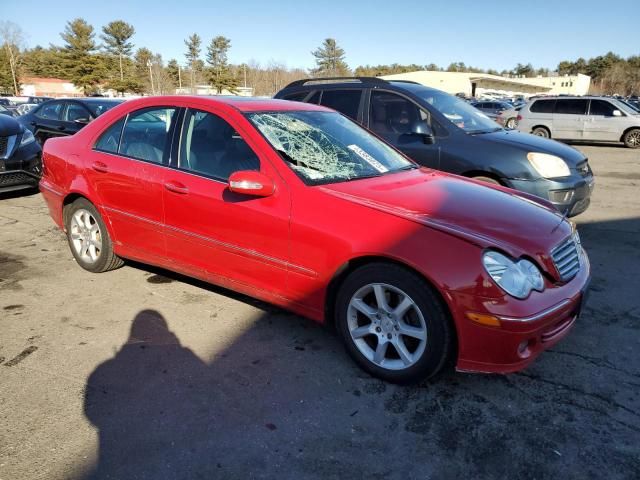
[(297, 163), (480, 132), (411, 166)]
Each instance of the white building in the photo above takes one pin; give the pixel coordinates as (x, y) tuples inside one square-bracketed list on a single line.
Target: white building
[(478, 84)]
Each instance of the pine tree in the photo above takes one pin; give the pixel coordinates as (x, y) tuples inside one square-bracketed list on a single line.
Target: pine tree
[(85, 69), (193, 56), (220, 75), (173, 71), (116, 36), (330, 60)]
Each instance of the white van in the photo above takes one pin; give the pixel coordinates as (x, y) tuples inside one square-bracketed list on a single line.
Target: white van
[(589, 119)]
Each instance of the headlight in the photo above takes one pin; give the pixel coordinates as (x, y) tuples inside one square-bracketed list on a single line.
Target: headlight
[(548, 166), (517, 278), (27, 138)]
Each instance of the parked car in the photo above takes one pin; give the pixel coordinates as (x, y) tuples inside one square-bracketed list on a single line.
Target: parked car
[(25, 108), (299, 206), (441, 131), (65, 116), (20, 161), (503, 113), (593, 119)]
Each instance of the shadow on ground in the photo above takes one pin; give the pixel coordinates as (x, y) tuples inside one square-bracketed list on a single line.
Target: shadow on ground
[(284, 401)]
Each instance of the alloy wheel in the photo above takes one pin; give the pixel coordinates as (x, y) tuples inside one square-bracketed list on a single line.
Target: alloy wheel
[(86, 237)]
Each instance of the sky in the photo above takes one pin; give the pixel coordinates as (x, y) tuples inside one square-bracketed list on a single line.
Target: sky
[(487, 34)]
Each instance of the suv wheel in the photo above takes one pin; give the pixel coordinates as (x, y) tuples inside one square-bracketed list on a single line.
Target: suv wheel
[(393, 324), (632, 138)]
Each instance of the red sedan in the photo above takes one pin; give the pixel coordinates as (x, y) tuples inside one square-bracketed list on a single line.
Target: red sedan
[(299, 206)]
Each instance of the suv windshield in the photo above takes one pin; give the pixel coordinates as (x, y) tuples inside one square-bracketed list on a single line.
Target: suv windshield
[(458, 112), (325, 147)]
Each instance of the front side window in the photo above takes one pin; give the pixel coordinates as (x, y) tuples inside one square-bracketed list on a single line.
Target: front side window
[(50, 111), (212, 147), (146, 134), (344, 101), (570, 106), (75, 112), (325, 147), (602, 108), (392, 115)]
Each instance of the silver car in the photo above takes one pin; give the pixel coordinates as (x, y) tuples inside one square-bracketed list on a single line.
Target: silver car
[(590, 119)]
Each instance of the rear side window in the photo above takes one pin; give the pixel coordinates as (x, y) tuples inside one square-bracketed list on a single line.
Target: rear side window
[(344, 101), (75, 112), (571, 106), (543, 106), (109, 141), (50, 111), (146, 134), (601, 107), (296, 97)]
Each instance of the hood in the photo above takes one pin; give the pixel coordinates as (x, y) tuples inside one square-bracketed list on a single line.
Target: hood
[(487, 216), (532, 143), (9, 126)]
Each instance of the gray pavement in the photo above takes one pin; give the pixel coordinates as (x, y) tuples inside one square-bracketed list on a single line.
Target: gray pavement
[(140, 373)]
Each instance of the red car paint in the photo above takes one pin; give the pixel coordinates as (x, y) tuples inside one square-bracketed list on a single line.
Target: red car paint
[(287, 247)]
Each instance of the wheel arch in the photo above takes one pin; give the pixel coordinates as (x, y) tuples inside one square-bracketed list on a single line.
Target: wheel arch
[(483, 173), (627, 130), (75, 195)]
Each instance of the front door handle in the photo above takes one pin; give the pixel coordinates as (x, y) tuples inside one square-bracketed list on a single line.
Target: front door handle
[(100, 167), (176, 187)]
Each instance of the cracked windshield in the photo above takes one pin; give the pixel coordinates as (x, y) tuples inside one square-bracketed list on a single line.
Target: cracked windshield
[(325, 147)]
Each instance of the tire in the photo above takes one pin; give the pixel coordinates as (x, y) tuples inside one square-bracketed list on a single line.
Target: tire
[(489, 180), (631, 139), (422, 328), (541, 132), (89, 239), (510, 123)]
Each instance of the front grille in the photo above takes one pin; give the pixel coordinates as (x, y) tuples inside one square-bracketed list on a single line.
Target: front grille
[(566, 259), (4, 141), (15, 178)]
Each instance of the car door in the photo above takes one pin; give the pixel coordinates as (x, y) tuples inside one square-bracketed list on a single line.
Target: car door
[(238, 240), (569, 117), (393, 116), (601, 123), (45, 122), (126, 170), (74, 117)]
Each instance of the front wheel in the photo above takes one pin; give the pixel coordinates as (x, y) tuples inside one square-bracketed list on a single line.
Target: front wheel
[(632, 138), (393, 324), (541, 132), (88, 238), (510, 123)]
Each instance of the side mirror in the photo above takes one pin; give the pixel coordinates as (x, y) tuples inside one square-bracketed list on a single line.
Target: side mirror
[(422, 129), (82, 121), (617, 113), (251, 182)]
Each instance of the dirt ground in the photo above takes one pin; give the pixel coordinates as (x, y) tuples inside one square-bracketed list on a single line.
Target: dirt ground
[(139, 373)]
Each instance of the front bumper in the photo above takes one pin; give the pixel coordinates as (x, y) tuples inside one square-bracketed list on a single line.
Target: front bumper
[(22, 169), (526, 327), (570, 195)]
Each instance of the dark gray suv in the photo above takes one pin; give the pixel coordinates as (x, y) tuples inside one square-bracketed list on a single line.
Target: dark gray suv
[(444, 132)]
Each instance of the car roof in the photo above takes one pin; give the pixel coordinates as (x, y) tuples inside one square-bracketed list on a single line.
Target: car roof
[(243, 104)]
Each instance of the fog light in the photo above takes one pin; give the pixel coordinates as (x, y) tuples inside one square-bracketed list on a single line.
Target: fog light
[(561, 196), (523, 349)]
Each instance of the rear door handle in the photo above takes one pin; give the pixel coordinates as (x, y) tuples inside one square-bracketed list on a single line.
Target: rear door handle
[(176, 187), (100, 167)]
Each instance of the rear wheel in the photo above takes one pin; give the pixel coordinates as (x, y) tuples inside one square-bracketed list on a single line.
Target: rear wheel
[(541, 132), (489, 180), (89, 239), (632, 138), (393, 324)]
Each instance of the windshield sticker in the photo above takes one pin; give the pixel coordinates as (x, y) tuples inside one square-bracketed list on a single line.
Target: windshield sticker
[(368, 158)]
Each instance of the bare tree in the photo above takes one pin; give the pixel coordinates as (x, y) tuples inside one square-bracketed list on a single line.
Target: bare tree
[(12, 40)]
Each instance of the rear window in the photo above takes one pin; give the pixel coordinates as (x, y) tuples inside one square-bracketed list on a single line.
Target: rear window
[(571, 106), (344, 101), (543, 106)]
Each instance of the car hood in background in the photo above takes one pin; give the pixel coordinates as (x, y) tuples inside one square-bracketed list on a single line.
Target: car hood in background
[(487, 216), (532, 143), (8, 126)]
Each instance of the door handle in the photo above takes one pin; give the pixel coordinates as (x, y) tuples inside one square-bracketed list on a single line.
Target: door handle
[(61, 128), (176, 187), (100, 167)]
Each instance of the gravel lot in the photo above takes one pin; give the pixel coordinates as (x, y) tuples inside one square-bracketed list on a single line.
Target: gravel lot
[(140, 373)]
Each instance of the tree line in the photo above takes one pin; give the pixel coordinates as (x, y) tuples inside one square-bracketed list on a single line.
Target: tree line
[(108, 59)]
